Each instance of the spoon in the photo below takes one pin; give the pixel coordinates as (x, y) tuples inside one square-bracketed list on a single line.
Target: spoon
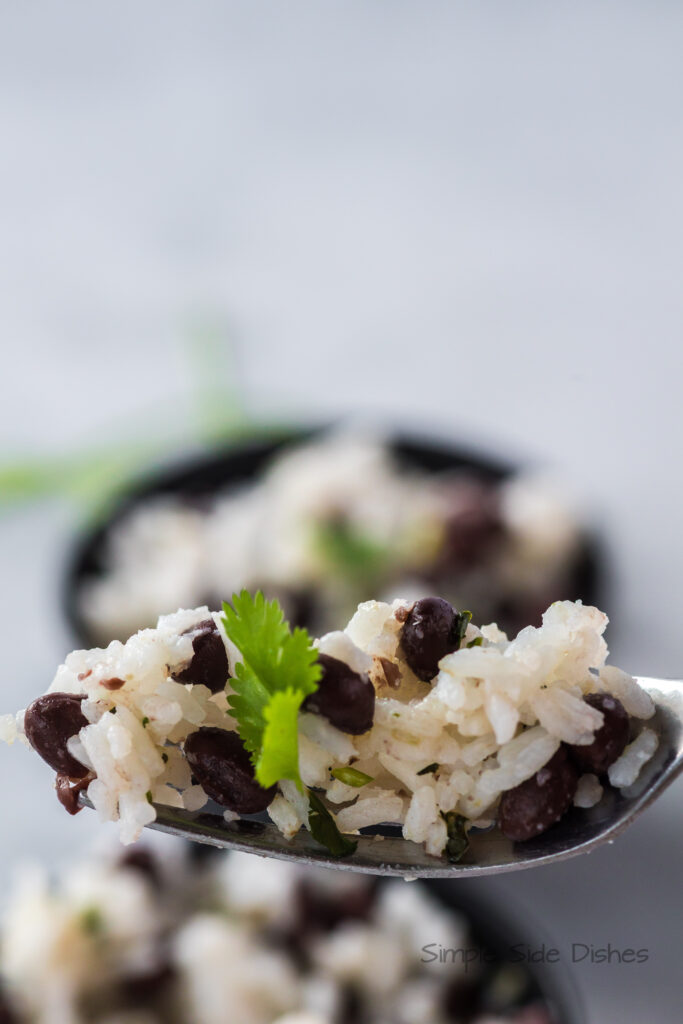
[(489, 853)]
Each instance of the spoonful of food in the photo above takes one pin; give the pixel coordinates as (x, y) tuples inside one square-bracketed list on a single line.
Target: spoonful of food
[(412, 743)]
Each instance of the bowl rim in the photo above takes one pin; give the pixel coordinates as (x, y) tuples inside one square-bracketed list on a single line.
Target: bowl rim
[(514, 924)]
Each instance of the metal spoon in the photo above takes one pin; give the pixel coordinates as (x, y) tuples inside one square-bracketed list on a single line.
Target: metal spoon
[(490, 853)]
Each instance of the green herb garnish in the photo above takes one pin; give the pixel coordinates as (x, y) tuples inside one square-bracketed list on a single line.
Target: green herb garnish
[(92, 921), (164, 757), (145, 722), (350, 552), (464, 619), (278, 670), (351, 777), (324, 829), (457, 843), (477, 642), (148, 794), (429, 770)]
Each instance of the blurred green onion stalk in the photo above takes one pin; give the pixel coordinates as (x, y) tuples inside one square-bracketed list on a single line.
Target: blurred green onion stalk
[(94, 476)]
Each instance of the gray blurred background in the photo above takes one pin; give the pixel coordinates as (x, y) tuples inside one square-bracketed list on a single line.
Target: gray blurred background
[(467, 217)]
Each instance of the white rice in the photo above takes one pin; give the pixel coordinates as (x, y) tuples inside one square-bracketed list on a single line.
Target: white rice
[(637, 702), (626, 769), (588, 792), (493, 716)]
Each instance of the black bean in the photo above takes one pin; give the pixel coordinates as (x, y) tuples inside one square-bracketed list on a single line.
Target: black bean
[(209, 664), (353, 1007), (68, 791), (320, 910), (143, 862), (148, 986), (49, 722), (301, 607), (609, 740), (221, 765), (535, 805), (431, 631), (473, 525), (346, 698)]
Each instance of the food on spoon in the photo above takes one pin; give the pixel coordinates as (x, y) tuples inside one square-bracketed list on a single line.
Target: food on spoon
[(49, 724), (146, 939), (412, 715)]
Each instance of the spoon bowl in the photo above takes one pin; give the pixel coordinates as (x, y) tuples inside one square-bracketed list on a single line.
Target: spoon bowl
[(385, 852)]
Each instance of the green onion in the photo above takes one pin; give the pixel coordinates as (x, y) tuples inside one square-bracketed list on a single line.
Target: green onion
[(351, 777), (464, 619), (92, 921)]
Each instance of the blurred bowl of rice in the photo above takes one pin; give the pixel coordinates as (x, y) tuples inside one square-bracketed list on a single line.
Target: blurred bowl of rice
[(323, 519)]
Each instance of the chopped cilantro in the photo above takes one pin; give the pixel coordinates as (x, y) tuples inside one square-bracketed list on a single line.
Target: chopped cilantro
[(477, 642), (324, 829), (148, 794), (145, 722), (351, 777), (349, 552), (429, 770), (457, 843), (164, 757), (92, 921), (278, 670), (112, 711)]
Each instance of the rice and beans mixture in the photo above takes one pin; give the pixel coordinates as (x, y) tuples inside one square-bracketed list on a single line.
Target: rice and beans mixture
[(420, 718)]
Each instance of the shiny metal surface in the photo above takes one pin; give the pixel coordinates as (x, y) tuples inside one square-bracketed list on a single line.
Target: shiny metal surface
[(579, 832)]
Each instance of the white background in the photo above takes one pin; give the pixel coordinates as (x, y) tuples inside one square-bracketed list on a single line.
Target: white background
[(464, 215)]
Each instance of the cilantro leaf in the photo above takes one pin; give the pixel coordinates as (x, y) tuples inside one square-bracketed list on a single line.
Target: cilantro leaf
[(280, 744), (278, 670), (429, 769), (324, 829)]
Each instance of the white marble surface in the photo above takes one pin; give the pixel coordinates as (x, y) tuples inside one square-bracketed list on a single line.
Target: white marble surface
[(468, 215)]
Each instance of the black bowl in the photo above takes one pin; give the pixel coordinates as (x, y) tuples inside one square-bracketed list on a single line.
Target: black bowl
[(198, 478), (523, 947)]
